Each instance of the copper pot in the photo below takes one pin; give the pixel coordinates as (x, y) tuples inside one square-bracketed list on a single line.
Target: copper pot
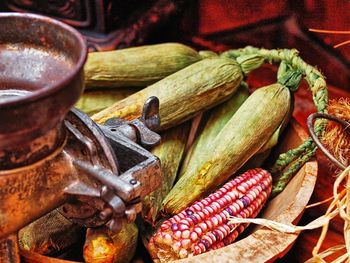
[(41, 78)]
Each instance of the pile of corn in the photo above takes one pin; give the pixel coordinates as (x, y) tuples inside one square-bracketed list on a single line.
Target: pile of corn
[(237, 130)]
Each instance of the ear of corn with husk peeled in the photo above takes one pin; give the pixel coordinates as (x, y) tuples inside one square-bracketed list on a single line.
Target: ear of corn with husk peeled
[(103, 246), (249, 129), (169, 152), (137, 66), (204, 225), (195, 88)]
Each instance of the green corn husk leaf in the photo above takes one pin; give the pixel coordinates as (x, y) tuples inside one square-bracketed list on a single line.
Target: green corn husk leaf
[(264, 152), (93, 101), (256, 161), (137, 66), (50, 234), (276, 135), (207, 54), (217, 119), (170, 153), (249, 129), (103, 246), (183, 94), (250, 62)]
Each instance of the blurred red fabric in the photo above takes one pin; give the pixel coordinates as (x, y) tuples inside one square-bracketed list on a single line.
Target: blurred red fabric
[(218, 15)]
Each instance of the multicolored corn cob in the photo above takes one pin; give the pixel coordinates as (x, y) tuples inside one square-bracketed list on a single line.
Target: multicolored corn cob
[(204, 225)]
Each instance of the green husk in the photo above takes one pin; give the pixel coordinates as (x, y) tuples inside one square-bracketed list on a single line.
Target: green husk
[(125, 242), (170, 153), (216, 120), (49, 234), (297, 157), (264, 152), (137, 66), (183, 94), (207, 54), (249, 129), (256, 161), (93, 101)]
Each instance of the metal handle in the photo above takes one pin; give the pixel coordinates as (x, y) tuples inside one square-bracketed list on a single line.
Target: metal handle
[(139, 130), (319, 144), (150, 113)]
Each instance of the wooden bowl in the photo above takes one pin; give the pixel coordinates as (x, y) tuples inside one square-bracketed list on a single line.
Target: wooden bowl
[(265, 245), (262, 245)]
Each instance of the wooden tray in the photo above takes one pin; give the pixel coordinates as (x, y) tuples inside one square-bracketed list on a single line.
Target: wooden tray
[(263, 245)]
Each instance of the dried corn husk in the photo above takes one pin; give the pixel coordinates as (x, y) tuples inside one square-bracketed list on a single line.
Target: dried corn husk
[(216, 120), (182, 94), (207, 54), (336, 138), (256, 161), (264, 152), (103, 246), (93, 101), (50, 234), (170, 153), (249, 129), (137, 66)]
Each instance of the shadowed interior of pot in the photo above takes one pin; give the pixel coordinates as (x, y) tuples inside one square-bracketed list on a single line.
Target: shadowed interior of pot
[(25, 68)]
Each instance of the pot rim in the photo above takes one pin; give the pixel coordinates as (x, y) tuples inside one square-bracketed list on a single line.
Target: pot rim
[(49, 89)]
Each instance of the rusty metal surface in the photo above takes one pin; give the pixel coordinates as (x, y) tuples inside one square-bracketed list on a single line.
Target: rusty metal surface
[(44, 58), (9, 250), (117, 197), (26, 153), (31, 191), (51, 158)]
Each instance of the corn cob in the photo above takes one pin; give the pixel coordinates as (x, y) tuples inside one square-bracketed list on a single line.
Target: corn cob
[(137, 66), (102, 246), (204, 225), (98, 247), (243, 136), (93, 101), (170, 153), (196, 88)]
